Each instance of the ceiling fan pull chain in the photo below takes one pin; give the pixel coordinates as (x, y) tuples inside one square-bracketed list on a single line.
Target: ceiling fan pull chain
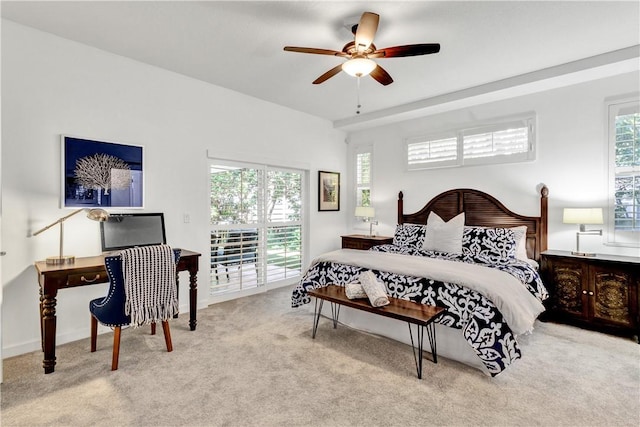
[(358, 94)]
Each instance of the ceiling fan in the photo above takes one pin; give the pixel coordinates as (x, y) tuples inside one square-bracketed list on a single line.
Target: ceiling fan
[(361, 51)]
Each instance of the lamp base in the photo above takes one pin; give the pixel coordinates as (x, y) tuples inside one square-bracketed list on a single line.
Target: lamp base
[(60, 260), (583, 253)]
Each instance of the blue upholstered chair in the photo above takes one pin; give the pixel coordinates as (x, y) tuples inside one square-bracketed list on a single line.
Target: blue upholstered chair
[(110, 310)]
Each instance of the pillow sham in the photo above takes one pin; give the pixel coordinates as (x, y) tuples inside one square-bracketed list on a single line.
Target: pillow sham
[(521, 242), (409, 236), (444, 236), (489, 245)]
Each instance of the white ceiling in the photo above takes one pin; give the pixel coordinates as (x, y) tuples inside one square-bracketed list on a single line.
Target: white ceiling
[(239, 45)]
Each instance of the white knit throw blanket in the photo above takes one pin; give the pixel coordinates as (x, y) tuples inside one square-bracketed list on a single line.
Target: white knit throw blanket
[(149, 284)]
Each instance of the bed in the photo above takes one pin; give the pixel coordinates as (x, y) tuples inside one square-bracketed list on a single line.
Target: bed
[(465, 251)]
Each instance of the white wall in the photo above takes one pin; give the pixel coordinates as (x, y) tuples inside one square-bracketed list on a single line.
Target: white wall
[(570, 160), (51, 86)]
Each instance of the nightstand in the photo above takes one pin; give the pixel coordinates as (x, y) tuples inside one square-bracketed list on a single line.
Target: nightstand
[(597, 292), (364, 241)]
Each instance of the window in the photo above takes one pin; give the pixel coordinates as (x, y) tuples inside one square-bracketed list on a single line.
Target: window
[(256, 226), (440, 152), (511, 141), (363, 176), (624, 166)]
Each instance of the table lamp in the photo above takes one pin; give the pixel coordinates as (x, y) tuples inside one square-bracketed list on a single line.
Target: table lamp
[(367, 213), (583, 216), (93, 214)]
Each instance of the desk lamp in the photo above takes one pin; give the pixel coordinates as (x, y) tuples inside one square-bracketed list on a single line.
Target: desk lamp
[(366, 213), (93, 214), (583, 216)]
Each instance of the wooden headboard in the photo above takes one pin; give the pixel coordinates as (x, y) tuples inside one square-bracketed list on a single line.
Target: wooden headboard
[(482, 209)]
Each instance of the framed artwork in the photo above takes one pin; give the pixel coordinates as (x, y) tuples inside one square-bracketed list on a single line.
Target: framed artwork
[(101, 174), (328, 191)]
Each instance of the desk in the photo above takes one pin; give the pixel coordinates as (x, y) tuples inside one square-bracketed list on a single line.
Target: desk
[(89, 271)]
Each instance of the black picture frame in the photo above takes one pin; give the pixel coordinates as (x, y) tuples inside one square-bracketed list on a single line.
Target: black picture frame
[(328, 191), (122, 187)]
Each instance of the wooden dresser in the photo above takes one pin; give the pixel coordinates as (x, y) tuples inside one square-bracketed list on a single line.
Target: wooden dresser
[(598, 292), (364, 241)]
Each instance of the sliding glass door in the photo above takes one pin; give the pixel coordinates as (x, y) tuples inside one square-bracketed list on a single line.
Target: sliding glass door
[(256, 226)]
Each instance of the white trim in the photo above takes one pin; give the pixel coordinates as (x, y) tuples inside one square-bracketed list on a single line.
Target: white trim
[(234, 156), (215, 299), (528, 120), (608, 64), (612, 108), (263, 285)]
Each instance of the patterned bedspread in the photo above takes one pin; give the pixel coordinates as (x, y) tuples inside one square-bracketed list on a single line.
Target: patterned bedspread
[(482, 324)]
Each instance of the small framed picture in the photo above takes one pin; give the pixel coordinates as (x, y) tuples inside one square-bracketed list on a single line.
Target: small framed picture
[(328, 191)]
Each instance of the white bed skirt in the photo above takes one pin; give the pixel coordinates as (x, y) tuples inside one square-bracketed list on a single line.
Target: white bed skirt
[(450, 342)]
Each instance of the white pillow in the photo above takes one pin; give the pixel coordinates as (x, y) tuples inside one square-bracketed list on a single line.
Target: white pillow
[(444, 236), (521, 242)]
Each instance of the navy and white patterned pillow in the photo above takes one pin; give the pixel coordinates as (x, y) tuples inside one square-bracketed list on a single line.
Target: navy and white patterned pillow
[(489, 245), (409, 236)]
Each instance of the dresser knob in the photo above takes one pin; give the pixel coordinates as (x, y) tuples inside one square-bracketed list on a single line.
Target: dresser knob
[(584, 292), (591, 293)]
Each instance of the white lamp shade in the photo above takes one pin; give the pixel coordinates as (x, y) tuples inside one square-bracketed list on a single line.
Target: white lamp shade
[(358, 67), (365, 211), (582, 216)]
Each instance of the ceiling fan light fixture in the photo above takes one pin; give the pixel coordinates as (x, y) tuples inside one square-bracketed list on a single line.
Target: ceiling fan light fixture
[(358, 67)]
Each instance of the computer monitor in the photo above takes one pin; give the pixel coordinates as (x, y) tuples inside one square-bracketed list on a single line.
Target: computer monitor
[(121, 231)]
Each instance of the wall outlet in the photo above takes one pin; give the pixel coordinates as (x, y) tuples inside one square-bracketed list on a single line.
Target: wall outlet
[(186, 218)]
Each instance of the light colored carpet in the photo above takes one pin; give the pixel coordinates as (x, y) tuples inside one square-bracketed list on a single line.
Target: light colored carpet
[(252, 362)]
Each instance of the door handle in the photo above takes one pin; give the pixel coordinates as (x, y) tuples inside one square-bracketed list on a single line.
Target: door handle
[(2, 253)]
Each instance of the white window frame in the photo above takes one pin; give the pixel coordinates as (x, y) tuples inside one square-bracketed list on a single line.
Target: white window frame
[(358, 150), (459, 134), (263, 282), (613, 107)]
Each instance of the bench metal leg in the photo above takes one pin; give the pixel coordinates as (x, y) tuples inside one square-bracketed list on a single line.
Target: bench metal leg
[(316, 316), (417, 351), (431, 333), (335, 314)]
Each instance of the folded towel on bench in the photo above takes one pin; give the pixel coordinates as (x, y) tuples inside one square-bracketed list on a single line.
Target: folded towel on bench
[(354, 291), (376, 290)]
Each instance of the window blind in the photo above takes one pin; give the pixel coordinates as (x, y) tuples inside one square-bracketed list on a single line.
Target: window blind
[(625, 144), (363, 177), (256, 226), (429, 151), (506, 141)]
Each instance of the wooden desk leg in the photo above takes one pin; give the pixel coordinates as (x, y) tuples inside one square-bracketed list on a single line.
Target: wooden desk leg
[(193, 296), (41, 323), (49, 332), (175, 316)]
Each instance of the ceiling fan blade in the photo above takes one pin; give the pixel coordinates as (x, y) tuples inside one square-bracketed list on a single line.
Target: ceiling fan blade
[(326, 76), (406, 50), (314, 51), (366, 30), (381, 76)]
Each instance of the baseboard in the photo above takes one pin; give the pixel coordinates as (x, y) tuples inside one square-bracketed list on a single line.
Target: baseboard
[(234, 295)]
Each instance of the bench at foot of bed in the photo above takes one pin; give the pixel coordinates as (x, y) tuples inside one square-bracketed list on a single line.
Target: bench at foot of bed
[(421, 315)]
